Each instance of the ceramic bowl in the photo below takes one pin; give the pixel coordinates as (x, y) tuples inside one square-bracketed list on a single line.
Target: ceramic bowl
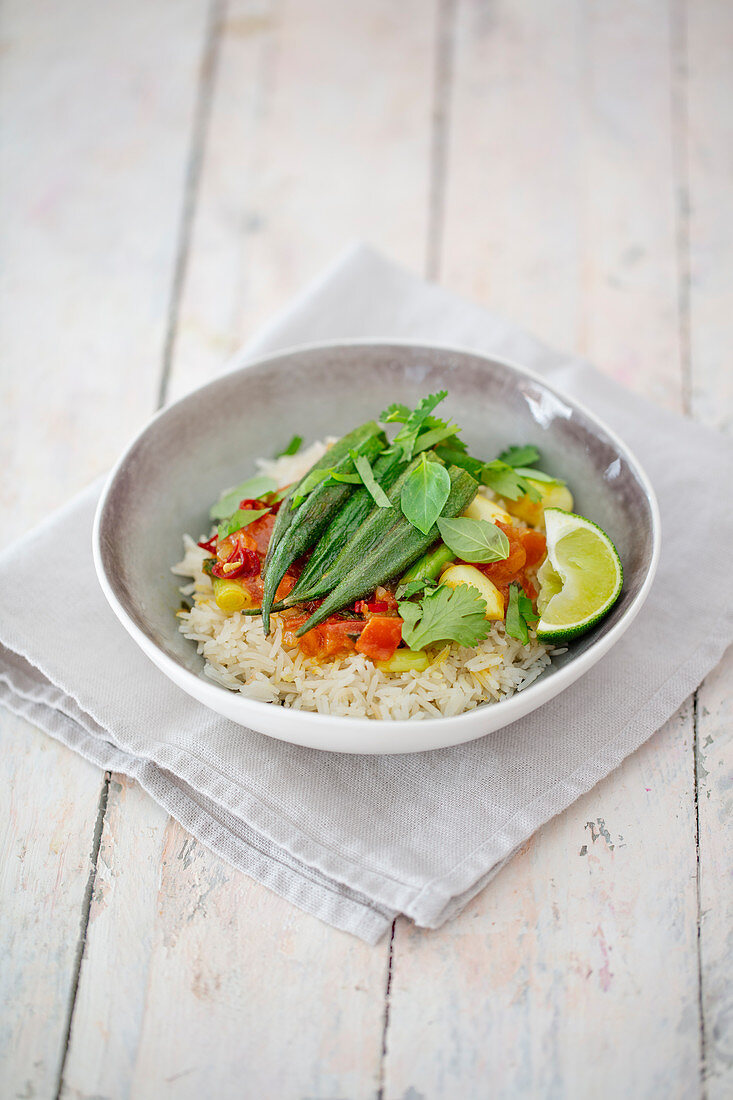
[(166, 480)]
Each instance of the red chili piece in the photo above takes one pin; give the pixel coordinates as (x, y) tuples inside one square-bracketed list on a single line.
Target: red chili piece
[(376, 608), (240, 563), (254, 505), (209, 545)]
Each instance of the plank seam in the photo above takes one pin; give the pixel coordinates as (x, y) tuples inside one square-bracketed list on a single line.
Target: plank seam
[(86, 908), (385, 1022), (194, 166), (700, 990), (679, 117), (440, 131)]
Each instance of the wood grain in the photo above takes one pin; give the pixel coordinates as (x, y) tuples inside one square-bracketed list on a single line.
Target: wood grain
[(47, 827), (94, 141), (173, 180), (705, 42), (306, 152), (529, 992), (560, 138), (227, 980)]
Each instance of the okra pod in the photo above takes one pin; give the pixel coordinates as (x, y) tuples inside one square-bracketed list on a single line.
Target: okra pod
[(429, 566), (311, 583), (372, 531), (399, 547), (315, 513), (333, 455)]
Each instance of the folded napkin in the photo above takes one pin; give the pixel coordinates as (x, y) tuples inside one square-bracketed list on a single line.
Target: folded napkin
[(357, 839)]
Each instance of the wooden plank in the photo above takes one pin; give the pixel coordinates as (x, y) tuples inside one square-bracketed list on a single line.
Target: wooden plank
[(90, 249), (226, 982), (706, 42), (92, 167), (217, 982), (529, 992), (46, 837), (306, 152), (715, 809), (560, 207)]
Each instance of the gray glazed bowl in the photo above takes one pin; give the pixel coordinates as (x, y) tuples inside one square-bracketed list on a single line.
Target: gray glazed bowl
[(166, 480)]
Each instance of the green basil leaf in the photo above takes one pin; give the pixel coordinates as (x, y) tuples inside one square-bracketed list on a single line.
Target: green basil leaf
[(240, 519), (474, 540), (366, 473), (252, 489), (424, 494), (292, 448)]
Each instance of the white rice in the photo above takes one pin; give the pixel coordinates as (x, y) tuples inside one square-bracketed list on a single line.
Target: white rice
[(239, 656)]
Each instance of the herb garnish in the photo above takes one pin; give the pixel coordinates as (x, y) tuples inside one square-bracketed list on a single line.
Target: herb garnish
[(241, 518), (253, 489), (292, 448), (424, 493), (474, 539), (445, 615), (366, 474), (519, 614)]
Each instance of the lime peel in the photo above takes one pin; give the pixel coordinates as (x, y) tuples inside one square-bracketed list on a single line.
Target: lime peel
[(580, 580)]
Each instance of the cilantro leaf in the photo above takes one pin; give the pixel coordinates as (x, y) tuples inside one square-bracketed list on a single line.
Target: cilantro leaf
[(366, 474), (406, 591), (406, 439), (292, 448), (253, 488), (474, 539), (424, 493), (538, 475), (241, 518), (505, 481), (519, 613), (520, 456), (445, 615), (395, 413)]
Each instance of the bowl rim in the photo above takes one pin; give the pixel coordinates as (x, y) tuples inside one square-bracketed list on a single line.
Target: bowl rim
[(209, 693)]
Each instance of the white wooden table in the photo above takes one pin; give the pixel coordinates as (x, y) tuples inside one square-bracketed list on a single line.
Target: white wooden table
[(172, 172)]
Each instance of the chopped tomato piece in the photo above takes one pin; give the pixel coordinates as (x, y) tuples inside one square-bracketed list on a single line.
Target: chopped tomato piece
[(325, 640), (380, 638), (535, 546), (261, 532)]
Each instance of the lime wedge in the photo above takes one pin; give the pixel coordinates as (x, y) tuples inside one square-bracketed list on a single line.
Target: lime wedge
[(580, 579)]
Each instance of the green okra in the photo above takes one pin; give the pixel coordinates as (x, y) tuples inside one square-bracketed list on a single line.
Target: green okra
[(333, 455), (429, 566), (396, 549), (309, 520), (311, 583)]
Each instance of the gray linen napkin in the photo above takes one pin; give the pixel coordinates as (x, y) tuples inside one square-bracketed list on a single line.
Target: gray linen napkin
[(356, 839)]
